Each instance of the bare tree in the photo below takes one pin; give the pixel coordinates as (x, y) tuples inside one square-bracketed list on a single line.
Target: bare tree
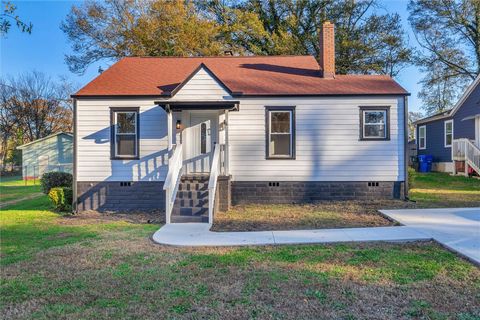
[(33, 106), (448, 32)]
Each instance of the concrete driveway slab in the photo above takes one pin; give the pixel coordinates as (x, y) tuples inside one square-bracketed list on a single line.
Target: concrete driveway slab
[(455, 228)]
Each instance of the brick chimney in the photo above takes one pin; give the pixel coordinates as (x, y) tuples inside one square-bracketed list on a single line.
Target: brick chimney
[(327, 49)]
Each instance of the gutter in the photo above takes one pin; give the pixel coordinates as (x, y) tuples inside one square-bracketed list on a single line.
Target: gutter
[(74, 187), (405, 146)]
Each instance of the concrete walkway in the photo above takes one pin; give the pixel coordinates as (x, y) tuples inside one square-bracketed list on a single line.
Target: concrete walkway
[(456, 228), (198, 234)]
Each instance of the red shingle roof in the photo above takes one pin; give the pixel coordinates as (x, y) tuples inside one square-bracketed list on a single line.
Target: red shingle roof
[(259, 75)]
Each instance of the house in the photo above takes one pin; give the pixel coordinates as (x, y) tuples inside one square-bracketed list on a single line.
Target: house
[(51, 153), (453, 137), (192, 135)]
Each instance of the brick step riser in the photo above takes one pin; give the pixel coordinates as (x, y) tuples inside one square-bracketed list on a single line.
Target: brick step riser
[(192, 187), (186, 219), (188, 211), (190, 203), (193, 195)]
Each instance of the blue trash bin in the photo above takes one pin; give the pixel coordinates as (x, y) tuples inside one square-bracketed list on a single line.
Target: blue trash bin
[(425, 163), (422, 163), (429, 159)]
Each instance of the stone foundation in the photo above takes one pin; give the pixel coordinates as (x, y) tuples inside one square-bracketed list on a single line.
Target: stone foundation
[(244, 192), (120, 196)]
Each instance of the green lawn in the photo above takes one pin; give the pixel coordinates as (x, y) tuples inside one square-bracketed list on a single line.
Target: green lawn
[(442, 190), (90, 267), (12, 188)]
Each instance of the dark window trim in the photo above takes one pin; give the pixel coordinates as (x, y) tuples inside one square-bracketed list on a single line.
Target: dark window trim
[(113, 110), (387, 123), (267, 132)]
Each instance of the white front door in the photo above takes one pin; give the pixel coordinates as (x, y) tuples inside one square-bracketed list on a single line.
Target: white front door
[(200, 142)]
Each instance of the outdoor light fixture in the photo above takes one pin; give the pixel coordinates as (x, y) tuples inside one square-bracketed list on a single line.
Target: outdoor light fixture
[(179, 123)]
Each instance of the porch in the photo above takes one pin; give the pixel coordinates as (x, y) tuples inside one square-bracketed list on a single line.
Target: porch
[(198, 159), (465, 155)]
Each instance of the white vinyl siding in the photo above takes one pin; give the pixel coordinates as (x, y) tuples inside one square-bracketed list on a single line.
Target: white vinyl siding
[(327, 142), (327, 146), (201, 87), (93, 142)]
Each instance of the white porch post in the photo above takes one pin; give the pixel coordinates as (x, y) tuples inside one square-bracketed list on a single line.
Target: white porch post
[(170, 127), (226, 144)]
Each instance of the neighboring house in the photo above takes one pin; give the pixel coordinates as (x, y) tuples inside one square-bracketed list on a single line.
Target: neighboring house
[(455, 132), (188, 135), (52, 153)]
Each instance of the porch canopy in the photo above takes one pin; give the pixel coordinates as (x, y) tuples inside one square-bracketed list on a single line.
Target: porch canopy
[(178, 106), (169, 106)]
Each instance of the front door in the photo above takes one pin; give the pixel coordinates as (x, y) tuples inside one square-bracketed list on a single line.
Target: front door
[(200, 141)]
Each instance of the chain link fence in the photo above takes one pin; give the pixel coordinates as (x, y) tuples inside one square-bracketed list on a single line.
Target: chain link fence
[(33, 173)]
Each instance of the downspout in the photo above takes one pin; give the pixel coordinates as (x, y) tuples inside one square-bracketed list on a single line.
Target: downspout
[(74, 187), (405, 146)]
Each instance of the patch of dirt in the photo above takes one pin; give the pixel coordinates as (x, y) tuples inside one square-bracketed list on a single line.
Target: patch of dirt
[(320, 215), (138, 217)]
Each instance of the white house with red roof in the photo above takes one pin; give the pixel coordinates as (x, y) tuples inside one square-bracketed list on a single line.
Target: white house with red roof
[(190, 136)]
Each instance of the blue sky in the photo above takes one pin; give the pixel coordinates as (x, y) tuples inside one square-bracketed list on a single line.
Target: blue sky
[(44, 49)]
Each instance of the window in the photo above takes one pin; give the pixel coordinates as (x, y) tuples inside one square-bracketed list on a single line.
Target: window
[(125, 137), (422, 137), (448, 132), (280, 137), (374, 123)]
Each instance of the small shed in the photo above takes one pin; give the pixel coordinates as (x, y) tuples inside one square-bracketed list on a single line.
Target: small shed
[(51, 153)]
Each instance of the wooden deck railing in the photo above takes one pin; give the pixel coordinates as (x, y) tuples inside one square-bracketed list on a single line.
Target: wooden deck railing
[(465, 150)]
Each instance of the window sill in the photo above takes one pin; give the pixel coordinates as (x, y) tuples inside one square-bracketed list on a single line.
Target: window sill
[(124, 158), (279, 158), (374, 139)]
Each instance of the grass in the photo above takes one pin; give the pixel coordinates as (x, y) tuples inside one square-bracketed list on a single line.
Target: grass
[(12, 188), (437, 189), (89, 267), (430, 190)]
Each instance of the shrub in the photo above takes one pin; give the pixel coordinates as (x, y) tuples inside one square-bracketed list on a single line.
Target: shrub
[(411, 177), (61, 198), (51, 180)]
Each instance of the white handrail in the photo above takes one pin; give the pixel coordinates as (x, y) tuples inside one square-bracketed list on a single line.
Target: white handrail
[(175, 165), (212, 182), (465, 150)]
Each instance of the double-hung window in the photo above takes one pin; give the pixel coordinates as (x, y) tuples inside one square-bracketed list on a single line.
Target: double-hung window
[(125, 133), (422, 137), (448, 133), (374, 123), (280, 132)]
